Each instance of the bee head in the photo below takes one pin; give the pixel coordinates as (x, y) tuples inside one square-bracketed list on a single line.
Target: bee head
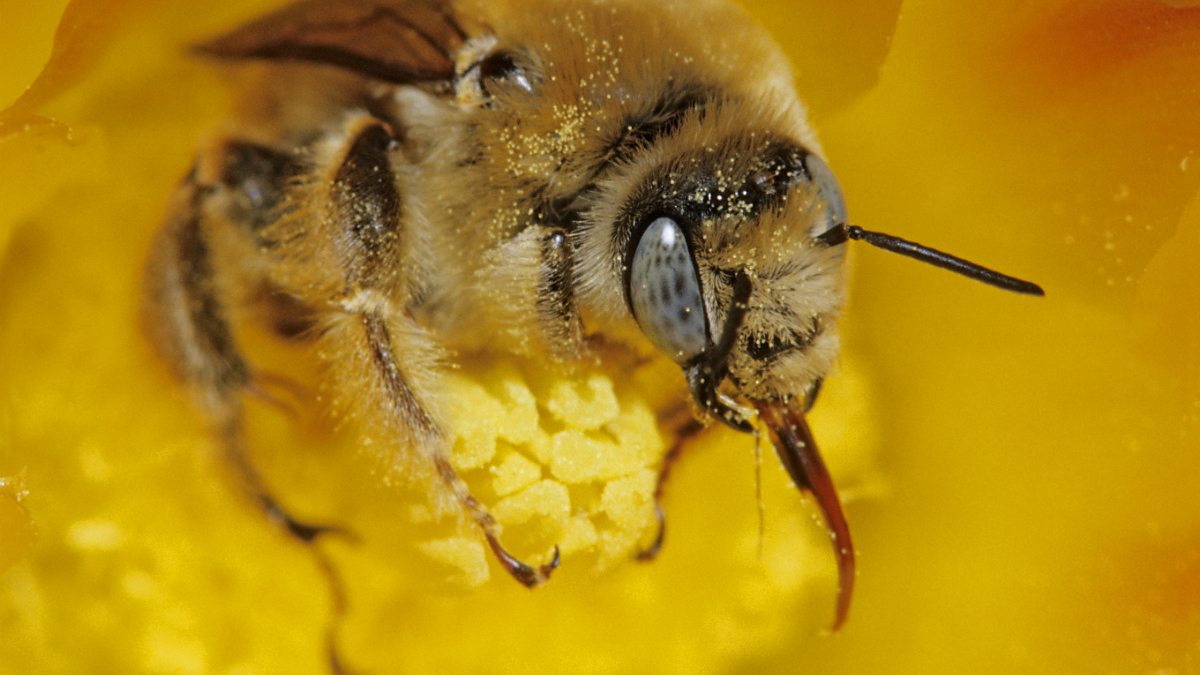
[(725, 271)]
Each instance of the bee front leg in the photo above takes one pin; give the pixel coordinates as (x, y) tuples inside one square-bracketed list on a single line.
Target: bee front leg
[(556, 308), (684, 433), (529, 281)]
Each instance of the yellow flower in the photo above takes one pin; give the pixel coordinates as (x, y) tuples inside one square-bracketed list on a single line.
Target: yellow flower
[(1040, 458)]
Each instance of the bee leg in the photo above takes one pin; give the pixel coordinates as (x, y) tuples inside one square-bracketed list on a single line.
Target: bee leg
[(683, 435), (253, 486), (529, 576), (556, 308), (532, 281), (186, 322), (233, 443), (365, 203), (397, 386), (235, 186), (279, 392)]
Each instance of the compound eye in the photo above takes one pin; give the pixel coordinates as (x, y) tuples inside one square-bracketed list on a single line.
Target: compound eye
[(664, 290), (830, 190)]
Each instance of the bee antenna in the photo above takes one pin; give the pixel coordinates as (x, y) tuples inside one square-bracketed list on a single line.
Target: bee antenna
[(932, 256)]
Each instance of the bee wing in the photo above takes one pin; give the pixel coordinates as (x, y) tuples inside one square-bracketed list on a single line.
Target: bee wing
[(398, 41)]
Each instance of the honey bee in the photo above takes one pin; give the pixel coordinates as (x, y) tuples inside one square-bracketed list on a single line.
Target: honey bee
[(414, 180)]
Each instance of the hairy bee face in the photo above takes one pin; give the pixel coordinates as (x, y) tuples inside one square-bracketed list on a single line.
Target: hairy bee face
[(716, 252), (723, 267)]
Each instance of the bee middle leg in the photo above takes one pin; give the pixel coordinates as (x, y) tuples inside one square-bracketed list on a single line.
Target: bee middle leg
[(365, 206), (398, 389), (684, 433)]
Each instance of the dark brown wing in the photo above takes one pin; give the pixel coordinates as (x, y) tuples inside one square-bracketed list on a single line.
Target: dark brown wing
[(399, 41)]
